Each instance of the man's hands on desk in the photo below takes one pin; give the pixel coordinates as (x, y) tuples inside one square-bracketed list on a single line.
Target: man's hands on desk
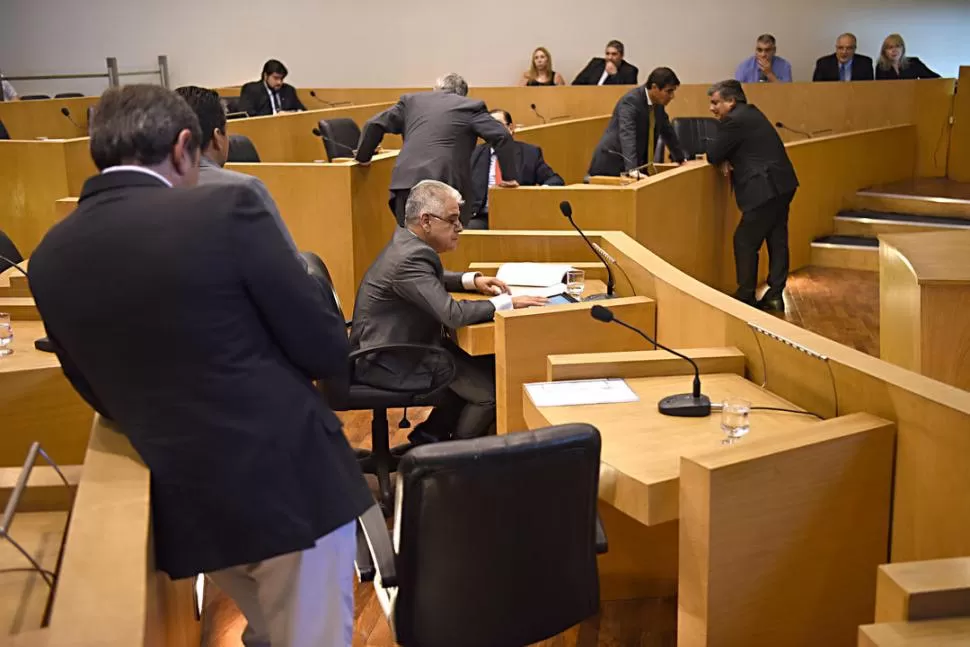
[(491, 286)]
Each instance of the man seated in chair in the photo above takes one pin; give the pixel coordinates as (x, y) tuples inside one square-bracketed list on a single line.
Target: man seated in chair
[(404, 298)]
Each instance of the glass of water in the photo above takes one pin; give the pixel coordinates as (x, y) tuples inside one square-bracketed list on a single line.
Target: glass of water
[(6, 334), (734, 419), (575, 283)]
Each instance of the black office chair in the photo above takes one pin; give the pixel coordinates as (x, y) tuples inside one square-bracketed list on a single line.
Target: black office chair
[(9, 251), (231, 104), (34, 97), (4, 134), (241, 149), (437, 371), (340, 137), (68, 95), (498, 540), (694, 134)]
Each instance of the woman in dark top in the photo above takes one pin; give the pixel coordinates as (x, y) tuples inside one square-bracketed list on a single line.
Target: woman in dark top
[(894, 64), (540, 72)]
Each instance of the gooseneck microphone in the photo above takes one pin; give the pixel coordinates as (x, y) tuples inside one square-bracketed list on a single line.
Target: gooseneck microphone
[(567, 210), (533, 106), (627, 159), (683, 405), (352, 151), (329, 104), (67, 113), (778, 124)]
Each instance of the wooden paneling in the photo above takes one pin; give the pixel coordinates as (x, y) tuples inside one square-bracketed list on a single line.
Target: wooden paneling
[(567, 146), (643, 363), (34, 119), (913, 591), (780, 535), (958, 165), (931, 633), (865, 259), (899, 309)]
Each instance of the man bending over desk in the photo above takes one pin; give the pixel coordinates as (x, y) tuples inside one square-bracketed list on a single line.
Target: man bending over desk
[(404, 298)]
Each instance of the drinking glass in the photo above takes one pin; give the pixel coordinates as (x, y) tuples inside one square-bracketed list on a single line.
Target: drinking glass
[(6, 334), (575, 283), (734, 419)]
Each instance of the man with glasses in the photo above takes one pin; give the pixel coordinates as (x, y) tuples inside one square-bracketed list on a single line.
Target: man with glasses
[(844, 64), (764, 66), (404, 299)]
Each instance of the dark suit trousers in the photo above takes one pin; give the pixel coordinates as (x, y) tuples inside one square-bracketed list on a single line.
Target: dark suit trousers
[(479, 221), (766, 222), (399, 199), (467, 407)]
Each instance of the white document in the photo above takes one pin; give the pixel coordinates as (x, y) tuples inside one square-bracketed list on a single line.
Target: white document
[(530, 291), (577, 392), (532, 274)]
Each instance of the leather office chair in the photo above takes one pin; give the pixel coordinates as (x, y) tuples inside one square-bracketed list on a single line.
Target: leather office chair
[(241, 149), (357, 396), (231, 105), (68, 95), (340, 137), (34, 97), (4, 134), (498, 538), (694, 134)]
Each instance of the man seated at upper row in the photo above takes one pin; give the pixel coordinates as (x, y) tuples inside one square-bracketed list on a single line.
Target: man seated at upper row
[(844, 64), (612, 70), (270, 95), (487, 172), (764, 66)]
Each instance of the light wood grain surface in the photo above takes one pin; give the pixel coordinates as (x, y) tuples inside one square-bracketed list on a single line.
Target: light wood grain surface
[(932, 589), (931, 633)]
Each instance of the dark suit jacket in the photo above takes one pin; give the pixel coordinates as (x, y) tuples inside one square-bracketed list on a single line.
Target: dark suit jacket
[(404, 298), (533, 171), (827, 68), (183, 315), (254, 99), (624, 145), (751, 144), (440, 131), (916, 69), (625, 75)]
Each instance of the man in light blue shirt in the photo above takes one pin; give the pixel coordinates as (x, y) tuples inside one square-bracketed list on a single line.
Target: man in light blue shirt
[(764, 66)]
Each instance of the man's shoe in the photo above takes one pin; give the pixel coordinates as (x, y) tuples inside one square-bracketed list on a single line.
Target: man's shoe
[(421, 437), (772, 304)]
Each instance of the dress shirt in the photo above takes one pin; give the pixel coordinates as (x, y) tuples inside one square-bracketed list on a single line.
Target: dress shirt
[(749, 72), (138, 169), (501, 301)]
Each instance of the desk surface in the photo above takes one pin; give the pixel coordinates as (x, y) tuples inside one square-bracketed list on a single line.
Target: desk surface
[(935, 257), (25, 357), (642, 449)]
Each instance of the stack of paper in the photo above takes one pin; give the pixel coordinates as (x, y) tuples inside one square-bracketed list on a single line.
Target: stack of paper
[(577, 392), (538, 275)]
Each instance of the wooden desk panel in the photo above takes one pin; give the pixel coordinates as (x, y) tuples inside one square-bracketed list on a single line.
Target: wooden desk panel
[(958, 167), (567, 146), (33, 119)]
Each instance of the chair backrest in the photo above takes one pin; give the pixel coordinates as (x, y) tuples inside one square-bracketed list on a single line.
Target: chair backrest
[(231, 104), (340, 137), (694, 133), (68, 95), (34, 97), (241, 149), (498, 538), (318, 269), (3, 132), (8, 250)]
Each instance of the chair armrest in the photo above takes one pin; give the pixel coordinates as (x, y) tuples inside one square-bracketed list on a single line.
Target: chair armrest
[(602, 546), (375, 553)]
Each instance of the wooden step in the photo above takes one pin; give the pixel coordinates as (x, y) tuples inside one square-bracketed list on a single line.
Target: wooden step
[(927, 633), (846, 252), (871, 223), (914, 204), (19, 308)]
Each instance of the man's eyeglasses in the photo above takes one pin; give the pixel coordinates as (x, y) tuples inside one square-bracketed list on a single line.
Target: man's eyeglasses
[(454, 222)]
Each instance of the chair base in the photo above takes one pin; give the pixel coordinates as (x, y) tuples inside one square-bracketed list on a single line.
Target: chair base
[(382, 460)]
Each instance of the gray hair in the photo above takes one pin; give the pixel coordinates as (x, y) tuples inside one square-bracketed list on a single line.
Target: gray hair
[(766, 38), (428, 196), (729, 90), (848, 34), (452, 83)]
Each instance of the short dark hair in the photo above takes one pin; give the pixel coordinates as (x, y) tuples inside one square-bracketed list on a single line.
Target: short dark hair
[(139, 124), (272, 66), (507, 118), (766, 38), (207, 106), (730, 90), (615, 44), (663, 77)]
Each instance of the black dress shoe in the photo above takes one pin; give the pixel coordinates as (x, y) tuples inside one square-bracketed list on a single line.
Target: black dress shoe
[(421, 437), (772, 304)]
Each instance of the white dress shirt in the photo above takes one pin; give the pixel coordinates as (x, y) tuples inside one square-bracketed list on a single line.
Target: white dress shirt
[(501, 301), (137, 169)]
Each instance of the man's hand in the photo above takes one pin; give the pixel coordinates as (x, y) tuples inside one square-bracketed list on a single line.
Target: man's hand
[(765, 66), (490, 285), (363, 163), (610, 68), (635, 174), (508, 184), (726, 168), (528, 302)]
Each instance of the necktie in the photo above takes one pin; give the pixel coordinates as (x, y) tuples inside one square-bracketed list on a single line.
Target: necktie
[(844, 71), (276, 102), (498, 172), (651, 144)]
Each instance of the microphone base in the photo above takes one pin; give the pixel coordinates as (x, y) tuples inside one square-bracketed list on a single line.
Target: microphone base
[(603, 296), (685, 405)]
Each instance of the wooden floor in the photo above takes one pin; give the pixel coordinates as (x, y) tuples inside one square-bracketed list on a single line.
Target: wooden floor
[(840, 304), (929, 187)]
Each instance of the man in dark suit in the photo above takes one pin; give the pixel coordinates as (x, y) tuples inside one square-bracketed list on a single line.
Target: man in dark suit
[(638, 120), (440, 129), (269, 95), (404, 298), (611, 70), (844, 64), (183, 316), (533, 171), (749, 148)]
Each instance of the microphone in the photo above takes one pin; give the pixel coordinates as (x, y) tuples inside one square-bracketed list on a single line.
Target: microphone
[(353, 151), (762, 77), (635, 167), (567, 210), (329, 104), (533, 106), (12, 264), (684, 405), (67, 113), (778, 124)]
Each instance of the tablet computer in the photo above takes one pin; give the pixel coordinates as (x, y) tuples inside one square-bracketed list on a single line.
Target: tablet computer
[(560, 299)]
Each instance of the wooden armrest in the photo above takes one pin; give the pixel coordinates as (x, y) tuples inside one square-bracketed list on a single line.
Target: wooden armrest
[(936, 588), (643, 363)]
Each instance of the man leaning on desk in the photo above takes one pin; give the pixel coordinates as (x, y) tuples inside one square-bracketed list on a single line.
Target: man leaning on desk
[(404, 298)]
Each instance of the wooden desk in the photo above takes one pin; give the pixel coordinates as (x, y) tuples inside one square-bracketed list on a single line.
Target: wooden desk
[(479, 339), (924, 304), (953, 632), (642, 448)]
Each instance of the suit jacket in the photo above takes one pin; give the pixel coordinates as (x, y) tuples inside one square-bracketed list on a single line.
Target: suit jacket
[(915, 69), (440, 131), (211, 173), (533, 171), (624, 145), (762, 170), (625, 75), (403, 298), (182, 315), (254, 99), (827, 68)]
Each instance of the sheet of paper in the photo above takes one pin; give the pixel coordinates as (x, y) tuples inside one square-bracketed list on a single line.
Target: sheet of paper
[(577, 392), (533, 274), (530, 291)]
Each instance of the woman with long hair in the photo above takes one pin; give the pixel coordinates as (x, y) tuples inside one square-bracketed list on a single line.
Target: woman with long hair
[(894, 64), (540, 71)]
